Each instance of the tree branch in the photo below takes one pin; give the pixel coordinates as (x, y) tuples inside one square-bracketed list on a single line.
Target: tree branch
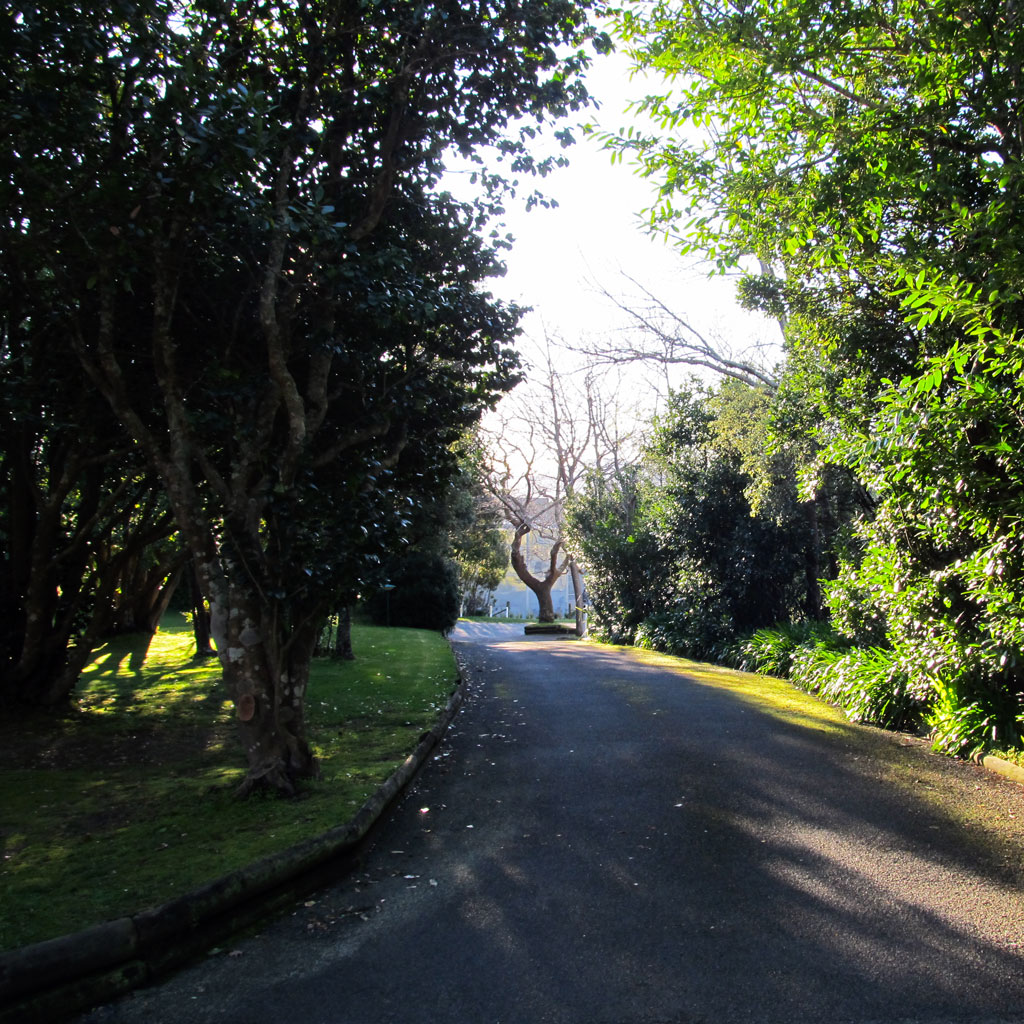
[(681, 344)]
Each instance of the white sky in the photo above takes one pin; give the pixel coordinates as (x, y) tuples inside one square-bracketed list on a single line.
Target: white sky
[(596, 233)]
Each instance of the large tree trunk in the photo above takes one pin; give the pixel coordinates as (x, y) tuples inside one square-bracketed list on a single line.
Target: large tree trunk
[(52, 661), (579, 598), (541, 587), (266, 672), (200, 614), (48, 592), (545, 602)]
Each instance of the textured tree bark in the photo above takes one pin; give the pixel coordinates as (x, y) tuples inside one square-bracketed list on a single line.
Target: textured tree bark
[(266, 673), (541, 587), (579, 598), (343, 642)]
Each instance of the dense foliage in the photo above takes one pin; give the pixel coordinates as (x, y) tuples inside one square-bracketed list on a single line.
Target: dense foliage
[(608, 524), (675, 556), (422, 592), (228, 214), (453, 546), (867, 160)]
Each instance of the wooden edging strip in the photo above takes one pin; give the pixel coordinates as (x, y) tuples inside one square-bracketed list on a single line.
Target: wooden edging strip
[(60, 976)]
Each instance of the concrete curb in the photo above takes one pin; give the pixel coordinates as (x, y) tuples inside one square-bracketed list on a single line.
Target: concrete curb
[(1007, 769), (53, 979)]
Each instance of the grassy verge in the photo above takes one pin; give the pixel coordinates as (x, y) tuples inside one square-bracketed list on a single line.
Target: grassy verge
[(770, 695), (126, 801)]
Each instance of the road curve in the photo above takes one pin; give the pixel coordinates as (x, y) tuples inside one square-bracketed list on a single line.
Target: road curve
[(601, 840)]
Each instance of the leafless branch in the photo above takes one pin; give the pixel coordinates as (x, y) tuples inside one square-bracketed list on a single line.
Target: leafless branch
[(667, 338)]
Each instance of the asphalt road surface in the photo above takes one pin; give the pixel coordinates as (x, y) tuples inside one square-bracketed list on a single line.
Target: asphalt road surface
[(602, 841)]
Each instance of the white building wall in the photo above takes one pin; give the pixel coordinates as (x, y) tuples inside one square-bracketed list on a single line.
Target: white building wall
[(521, 601)]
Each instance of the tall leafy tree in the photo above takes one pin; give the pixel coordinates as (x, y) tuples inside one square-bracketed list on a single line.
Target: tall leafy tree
[(628, 570), (79, 517), (454, 548), (866, 158), (732, 571), (674, 554), (258, 275)]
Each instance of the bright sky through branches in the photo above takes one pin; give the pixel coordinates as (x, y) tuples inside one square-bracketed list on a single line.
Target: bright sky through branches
[(562, 257)]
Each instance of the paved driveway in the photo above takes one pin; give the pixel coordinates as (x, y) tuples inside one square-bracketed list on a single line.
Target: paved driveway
[(603, 841)]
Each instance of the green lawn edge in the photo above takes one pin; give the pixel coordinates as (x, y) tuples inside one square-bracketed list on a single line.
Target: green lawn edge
[(127, 800)]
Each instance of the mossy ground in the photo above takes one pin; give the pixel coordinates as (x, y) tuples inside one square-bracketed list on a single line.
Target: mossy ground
[(966, 798), (127, 799), (772, 696)]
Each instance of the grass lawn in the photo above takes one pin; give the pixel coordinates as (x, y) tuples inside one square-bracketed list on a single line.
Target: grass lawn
[(126, 800)]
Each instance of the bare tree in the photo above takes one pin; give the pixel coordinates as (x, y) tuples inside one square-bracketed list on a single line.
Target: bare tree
[(552, 434)]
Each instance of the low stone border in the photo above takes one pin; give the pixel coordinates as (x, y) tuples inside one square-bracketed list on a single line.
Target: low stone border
[(553, 628), (51, 980), (1005, 768)]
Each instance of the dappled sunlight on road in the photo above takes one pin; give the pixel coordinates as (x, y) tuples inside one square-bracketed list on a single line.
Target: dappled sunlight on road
[(673, 908)]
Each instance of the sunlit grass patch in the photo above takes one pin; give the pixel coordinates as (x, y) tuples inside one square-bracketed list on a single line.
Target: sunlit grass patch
[(129, 800), (772, 696)]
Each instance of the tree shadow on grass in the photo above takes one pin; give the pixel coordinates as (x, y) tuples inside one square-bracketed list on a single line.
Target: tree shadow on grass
[(142, 698)]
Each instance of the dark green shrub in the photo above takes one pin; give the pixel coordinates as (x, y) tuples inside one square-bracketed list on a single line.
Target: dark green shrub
[(424, 594), (696, 626), (771, 651), (627, 569)]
